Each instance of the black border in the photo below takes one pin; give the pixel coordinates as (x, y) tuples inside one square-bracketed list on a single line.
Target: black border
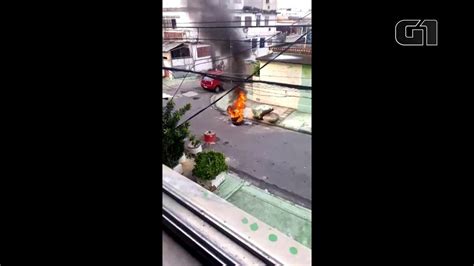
[(85, 135)]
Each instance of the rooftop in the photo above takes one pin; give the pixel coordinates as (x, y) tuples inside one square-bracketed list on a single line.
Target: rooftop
[(287, 58), (168, 46), (298, 48)]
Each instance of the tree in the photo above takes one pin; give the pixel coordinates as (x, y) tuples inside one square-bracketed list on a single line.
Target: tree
[(173, 136)]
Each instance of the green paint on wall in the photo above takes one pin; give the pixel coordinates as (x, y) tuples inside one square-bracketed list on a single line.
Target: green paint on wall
[(254, 227), (272, 237), (306, 75), (245, 221), (293, 250), (304, 103)]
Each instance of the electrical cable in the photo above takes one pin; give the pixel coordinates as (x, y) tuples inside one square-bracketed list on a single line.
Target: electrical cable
[(238, 27), (236, 86), (218, 40), (229, 21), (235, 79), (248, 49)]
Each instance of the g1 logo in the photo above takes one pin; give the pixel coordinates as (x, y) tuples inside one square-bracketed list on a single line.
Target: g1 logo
[(416, 32)]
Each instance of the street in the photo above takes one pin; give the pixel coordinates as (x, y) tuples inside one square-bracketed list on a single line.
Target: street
[(273, 158)]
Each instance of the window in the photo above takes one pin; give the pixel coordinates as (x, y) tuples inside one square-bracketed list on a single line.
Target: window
[(167, 23), (254, 43), (238, 21), (267, 19), (204, 51), (268, 1), (262, 42), (180, 53), (309, 38), (248, 21), (258, 20)]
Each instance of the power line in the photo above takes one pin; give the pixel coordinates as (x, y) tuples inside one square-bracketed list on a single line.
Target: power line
[(245, 50), (292, 77), (238, 27), (218, 40), (236, 86), (230, 21), (234, 79), (242, 74)]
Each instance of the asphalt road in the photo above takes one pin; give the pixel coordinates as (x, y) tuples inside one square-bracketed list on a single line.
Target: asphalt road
[(270, 157)]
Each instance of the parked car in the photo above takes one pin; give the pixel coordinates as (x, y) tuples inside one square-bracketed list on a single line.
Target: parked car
[(212, 84)]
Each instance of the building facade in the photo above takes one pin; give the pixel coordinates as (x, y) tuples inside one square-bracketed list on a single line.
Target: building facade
[(243, 12), (186, 55), (292, 67)]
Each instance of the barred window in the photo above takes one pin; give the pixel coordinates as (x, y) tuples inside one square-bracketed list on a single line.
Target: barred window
[(180, 53), (204, 51), (167, 23), (254, 43), (248, 21)]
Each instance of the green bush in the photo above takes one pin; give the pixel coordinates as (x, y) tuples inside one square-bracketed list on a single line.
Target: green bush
[(173, 138), (209, 164)]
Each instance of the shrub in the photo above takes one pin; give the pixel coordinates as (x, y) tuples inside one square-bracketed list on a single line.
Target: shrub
[(209, 164), (173, 138)]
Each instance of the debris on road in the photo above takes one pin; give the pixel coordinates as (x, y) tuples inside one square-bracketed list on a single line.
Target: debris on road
[(260, 110), (190, 94)]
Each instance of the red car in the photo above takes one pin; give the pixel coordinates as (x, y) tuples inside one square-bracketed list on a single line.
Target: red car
[(212, 84)]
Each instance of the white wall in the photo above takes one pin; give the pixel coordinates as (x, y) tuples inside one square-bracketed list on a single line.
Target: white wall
[(175, 3), (201, 64)]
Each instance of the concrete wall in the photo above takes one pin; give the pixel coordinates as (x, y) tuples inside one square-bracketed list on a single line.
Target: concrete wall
[(201, 64), (281, 72), (283, 96)]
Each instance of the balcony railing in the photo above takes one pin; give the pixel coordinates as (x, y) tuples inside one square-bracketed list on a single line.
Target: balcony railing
[(222, 232)]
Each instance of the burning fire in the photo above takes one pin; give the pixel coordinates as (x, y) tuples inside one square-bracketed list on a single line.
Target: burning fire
[(236, 111)]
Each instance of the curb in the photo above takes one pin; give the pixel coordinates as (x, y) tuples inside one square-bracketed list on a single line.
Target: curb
[(213, 97), (273, 189)]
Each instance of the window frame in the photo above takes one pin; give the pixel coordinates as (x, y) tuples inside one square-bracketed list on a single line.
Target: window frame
[(203, 47), (248, 21), (173, 53)]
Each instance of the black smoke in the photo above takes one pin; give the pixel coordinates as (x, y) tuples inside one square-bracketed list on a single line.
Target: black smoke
[(215, 11)]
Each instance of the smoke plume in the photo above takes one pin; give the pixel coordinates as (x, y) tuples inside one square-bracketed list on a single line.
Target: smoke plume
[(215, 11)]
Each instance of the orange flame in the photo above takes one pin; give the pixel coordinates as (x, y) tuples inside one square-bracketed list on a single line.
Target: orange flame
[(236, 111)]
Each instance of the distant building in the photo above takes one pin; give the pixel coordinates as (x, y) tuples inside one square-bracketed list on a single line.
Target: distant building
[(186, 55), (288, 17), (244, 13)]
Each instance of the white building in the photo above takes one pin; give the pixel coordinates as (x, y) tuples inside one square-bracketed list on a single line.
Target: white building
[(186, 55), (244, 13)]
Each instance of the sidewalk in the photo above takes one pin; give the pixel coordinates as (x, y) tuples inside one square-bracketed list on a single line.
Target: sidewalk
[(290, 219), (289, 118), (176, 81)]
